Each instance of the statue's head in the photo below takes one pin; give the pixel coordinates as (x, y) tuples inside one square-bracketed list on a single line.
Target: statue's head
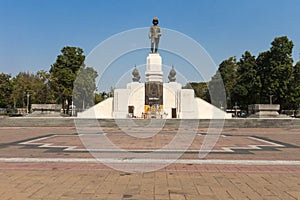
[(155, 21)]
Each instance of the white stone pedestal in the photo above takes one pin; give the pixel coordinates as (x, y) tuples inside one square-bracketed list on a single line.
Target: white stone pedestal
[(265, 111), (154, 68)]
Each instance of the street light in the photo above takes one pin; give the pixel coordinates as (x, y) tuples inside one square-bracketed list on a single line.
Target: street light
[(28, 95), (271, 98), (235, 108)]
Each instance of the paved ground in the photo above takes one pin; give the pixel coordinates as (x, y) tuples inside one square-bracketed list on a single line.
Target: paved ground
[(55, 163)]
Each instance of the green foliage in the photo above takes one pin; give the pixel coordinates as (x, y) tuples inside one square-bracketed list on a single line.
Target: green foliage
[(34, 84), (201, 90), (44, 91), (98, 98), (282, 69), (294, 97), (55, 86), (84, 87), (263, 74), (246, 89), (63, 73), (252, 80), (228, 71), (105, 95), (276, 71), (5, 90), (217, 91)]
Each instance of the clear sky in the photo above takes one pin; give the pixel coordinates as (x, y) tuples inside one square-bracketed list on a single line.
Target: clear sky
[(32, 32)]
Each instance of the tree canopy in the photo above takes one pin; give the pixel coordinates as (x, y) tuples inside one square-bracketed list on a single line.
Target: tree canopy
[(253, 80), (63, 74), (28, 83), (6, 90), (85, 87), (228, 71), (247, 84), (56, 86)]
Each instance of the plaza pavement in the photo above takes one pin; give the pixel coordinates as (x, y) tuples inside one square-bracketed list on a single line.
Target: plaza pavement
[(245, 163)]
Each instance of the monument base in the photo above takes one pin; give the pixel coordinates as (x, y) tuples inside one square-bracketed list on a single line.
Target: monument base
[(265, 111)]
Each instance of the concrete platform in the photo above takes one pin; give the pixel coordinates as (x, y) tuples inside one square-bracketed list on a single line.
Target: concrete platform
[(203, 123)]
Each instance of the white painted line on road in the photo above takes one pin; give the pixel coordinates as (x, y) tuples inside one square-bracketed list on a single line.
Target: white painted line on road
[(148, 161)]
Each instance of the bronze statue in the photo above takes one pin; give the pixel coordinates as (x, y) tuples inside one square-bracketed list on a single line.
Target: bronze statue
[(154, 34)]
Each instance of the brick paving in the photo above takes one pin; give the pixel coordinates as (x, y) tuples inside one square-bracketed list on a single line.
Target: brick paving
[(109, 184), (96, 181)]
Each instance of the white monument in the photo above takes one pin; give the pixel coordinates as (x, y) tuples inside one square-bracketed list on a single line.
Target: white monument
[(154, 99)]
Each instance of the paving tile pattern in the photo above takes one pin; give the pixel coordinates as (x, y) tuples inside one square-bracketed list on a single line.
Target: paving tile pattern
[(95, 181)]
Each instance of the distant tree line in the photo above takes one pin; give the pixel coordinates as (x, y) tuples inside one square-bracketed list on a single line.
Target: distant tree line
[(56, 86), (251, 80)]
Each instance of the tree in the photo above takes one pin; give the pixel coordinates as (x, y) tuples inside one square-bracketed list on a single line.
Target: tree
[(282, 68), (6, 90), (85, 87), (254, 80), (297, 85), (276, 71), (63, 74), (44, 92), (228, 72), (246, 89), (98, 98), (217, 91), (263, 74), (201, 89), (294, 98), (28, 83)]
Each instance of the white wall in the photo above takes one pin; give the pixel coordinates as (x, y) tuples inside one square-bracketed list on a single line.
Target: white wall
[(137, 98), (209, 111), (187, 106), (121, 99), (100, 110), (170, 101)]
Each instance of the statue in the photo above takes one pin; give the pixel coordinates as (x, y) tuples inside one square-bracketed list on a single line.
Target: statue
[(154, 34), (136, 75), (172, 75)]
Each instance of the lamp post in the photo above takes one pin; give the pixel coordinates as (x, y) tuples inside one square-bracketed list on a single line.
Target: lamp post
[(271, 98), (28, 95), (235, 108), (72, 107), (221, 105)]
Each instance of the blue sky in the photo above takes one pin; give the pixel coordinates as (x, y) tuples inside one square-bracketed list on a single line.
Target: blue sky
[(34, 31)]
